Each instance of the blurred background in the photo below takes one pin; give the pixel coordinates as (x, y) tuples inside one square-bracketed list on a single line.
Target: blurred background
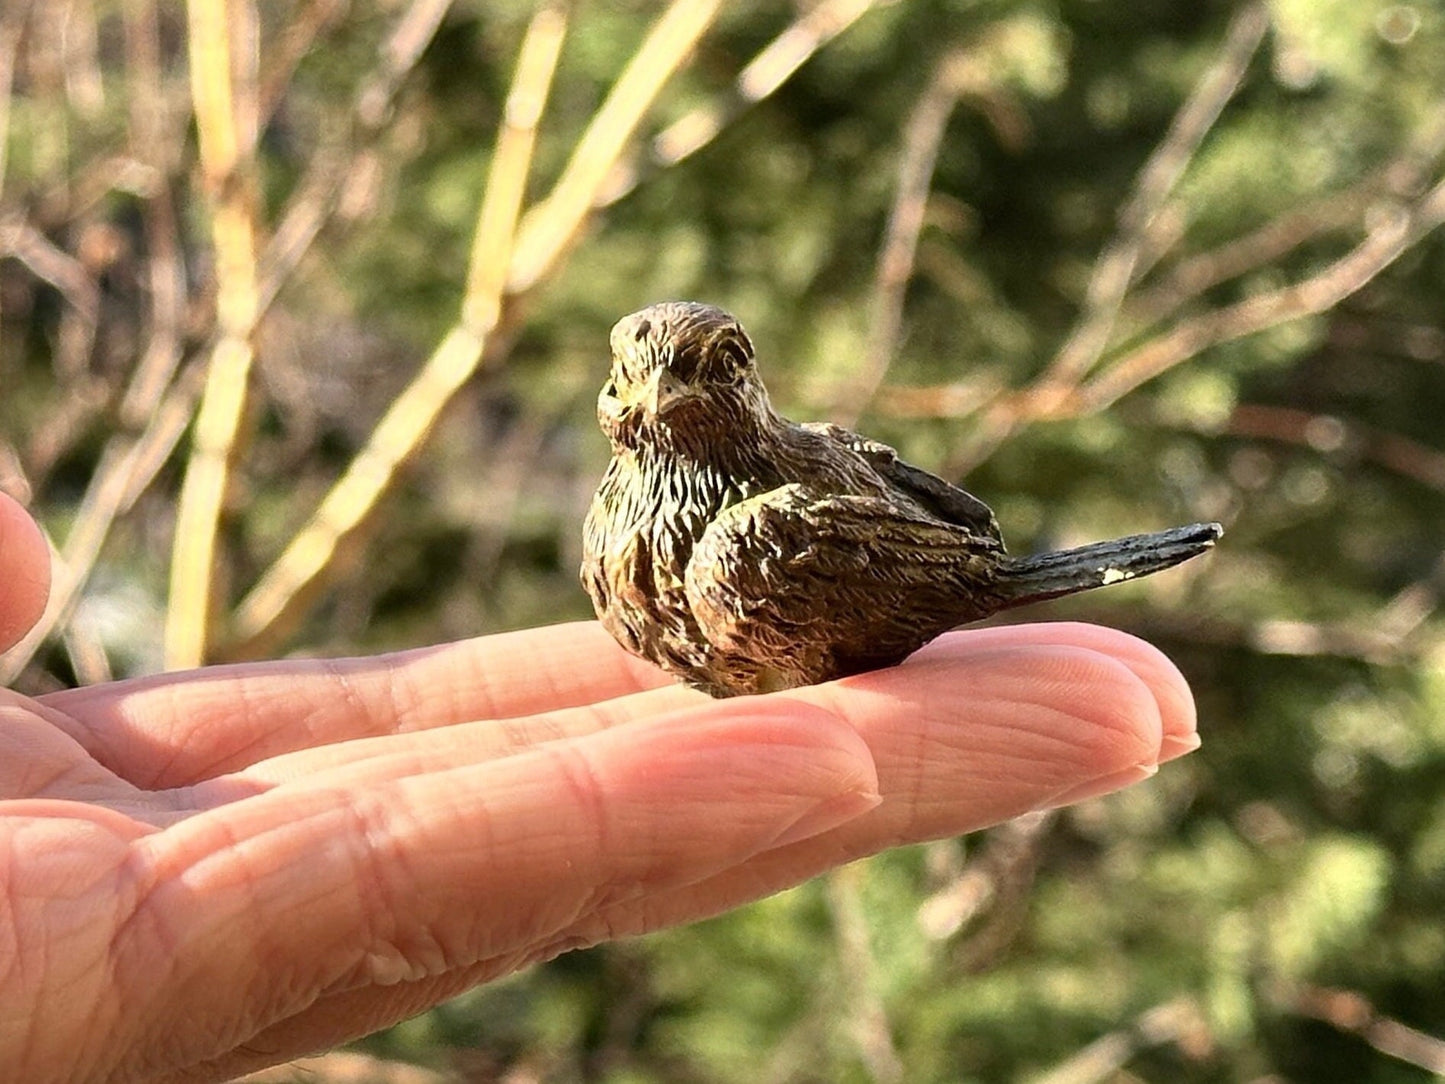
[(303, 310)]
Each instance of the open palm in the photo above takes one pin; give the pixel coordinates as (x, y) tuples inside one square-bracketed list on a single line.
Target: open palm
[(208, 872)]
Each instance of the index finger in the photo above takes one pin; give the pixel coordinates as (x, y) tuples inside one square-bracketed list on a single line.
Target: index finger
[(25, 561), (172, 729)]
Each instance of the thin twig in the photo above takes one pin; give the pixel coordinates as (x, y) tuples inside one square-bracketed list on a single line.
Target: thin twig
[(1399, 229), (549, 228), (1140, 227), (545, 233), (126, 466), (226, 167), (1330, 435), (1191, 277), (760, 77), (304, 24), (1396, 230), (541, 239), (870, 1026), (922, 136), (84, 87), (1115, 268), (283, 589), (1180, 1022), (1404, 178), (12, 25), (993, 885), (154, 138), (1351, 1012), (957, 399), (329, 169), (128, 461), (22, 241)]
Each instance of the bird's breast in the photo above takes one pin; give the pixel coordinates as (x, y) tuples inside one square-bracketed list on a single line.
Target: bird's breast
[(652, 511)]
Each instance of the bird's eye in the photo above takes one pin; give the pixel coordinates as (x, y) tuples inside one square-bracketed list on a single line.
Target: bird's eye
[(737, 352), (609, 390), (682, 365)]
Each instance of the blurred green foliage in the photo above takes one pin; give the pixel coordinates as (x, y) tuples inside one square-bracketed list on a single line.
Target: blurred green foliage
[(1198, 919)]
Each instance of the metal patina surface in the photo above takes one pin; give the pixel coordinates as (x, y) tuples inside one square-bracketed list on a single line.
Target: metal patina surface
[(746, 553)]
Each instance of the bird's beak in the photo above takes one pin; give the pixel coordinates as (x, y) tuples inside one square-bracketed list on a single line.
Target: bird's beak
[(663, 391)]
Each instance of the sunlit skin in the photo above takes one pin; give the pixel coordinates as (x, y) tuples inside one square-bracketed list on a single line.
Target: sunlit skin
[(205, 873)]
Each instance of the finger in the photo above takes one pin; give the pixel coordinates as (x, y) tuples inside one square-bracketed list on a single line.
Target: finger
[(39, 761), (24, 572), (172, 729), (471, 742), (979, 730), (1176, 703), (1033, 713), (358, 762), (337, 889), (1072, 723), (339, 1017)]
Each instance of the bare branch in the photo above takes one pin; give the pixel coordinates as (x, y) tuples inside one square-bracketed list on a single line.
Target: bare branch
[(554, 224), (761, 77), (992, 883), (1332, 436), (12, 25), (153, 140), (1398, 229), (1115, 268), (331, 168), (283, 590), (297, 38), (921, 139), (1351, 1012), (128, 461), (1180, 1022), (870, 1027), (22, 241), (225, 112), (954, 400), (1263, 246)]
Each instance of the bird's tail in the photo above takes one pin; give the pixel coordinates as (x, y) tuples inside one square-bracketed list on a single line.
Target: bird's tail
[(1049, 575)]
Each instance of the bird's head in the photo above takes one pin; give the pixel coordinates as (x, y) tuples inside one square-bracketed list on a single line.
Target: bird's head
[(682, 379)]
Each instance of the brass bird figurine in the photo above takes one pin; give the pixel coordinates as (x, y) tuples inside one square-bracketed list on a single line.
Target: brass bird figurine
[(746, 553)]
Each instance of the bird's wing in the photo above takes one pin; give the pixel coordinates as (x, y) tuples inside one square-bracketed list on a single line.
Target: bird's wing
[(948, 502), (830, 584)]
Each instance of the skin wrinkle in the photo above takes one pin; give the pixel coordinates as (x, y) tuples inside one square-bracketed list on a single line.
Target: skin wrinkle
[(162, 770), (270, 999), (409, 698), (405, 1000), (349, 697), (82, 990), (1075, 667), (1089, 663), (620, 917), (278, 718), (586, 788), (1137, 654), (263, 982), (678, 697), (441, 750), (377, 893)]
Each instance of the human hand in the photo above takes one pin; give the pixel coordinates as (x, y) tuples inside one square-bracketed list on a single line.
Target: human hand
[(204, 873)]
